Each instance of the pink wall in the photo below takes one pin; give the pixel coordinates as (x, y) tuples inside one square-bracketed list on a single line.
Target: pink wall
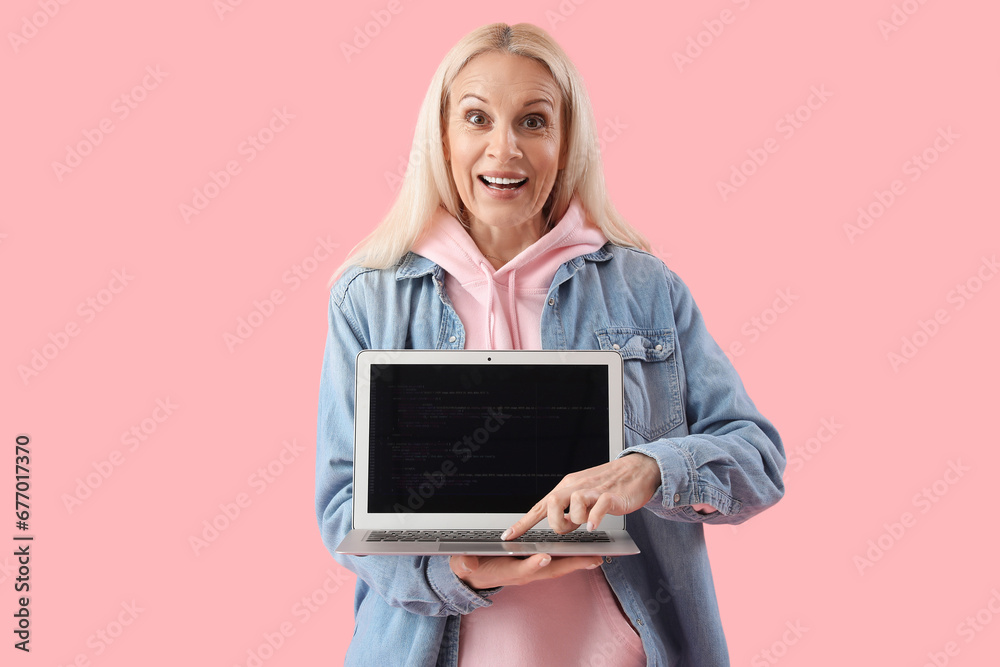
[(884, 550)]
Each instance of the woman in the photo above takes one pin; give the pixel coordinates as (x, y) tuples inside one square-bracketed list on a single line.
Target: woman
[(503, 237)]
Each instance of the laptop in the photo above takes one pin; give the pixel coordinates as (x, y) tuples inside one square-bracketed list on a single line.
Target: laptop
[(451, 447)]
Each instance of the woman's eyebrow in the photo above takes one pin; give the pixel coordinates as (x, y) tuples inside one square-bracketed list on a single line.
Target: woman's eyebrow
[(468, 95), (543, 100)]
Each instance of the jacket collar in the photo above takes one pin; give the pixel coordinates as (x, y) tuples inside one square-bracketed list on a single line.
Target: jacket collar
[(413, 265)]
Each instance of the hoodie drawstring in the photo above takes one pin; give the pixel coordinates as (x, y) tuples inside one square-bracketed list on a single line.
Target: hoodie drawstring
[(489, 301), (512, 307)]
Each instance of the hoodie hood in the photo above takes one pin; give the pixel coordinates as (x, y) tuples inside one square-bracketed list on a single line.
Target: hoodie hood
[(502, 308)]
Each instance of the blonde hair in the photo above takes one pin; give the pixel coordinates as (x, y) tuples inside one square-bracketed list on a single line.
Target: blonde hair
[(428, 183)]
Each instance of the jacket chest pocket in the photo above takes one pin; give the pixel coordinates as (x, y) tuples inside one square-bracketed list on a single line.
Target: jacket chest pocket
[(652, 389)]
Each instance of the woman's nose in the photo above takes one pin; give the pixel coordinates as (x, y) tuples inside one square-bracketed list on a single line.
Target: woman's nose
[(503, 145)]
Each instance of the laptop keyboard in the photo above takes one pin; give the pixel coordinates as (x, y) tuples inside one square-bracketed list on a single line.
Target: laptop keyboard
[(483, 536)]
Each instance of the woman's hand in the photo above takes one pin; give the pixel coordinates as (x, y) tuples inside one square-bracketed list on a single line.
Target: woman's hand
[(482, 572), (618, 487)]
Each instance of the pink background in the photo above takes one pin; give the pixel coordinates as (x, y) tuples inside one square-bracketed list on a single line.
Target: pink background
[(672, 134)]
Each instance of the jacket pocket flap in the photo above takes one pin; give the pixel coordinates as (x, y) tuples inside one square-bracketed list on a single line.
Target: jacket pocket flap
[(633, 343)]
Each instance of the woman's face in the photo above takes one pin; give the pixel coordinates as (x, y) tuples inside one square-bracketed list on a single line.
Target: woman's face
[(504, 122)]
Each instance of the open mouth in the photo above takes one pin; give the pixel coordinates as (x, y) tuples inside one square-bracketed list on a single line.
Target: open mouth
[(502, 183)]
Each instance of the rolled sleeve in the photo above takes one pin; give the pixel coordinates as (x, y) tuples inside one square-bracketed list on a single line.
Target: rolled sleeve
[(459, 596)]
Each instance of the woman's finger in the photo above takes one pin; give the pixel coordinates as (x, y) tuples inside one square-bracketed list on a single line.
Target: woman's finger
[(557, 517), (564, 565), (544, 566), (534, 515), (579, 505), (493, 571), (607, 502), (464, 565), (496, 571)]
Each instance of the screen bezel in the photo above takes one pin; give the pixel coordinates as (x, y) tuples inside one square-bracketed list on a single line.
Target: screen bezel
[(367, 359)]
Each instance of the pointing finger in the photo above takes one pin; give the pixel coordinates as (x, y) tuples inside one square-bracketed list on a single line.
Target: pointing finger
[(534, 515)]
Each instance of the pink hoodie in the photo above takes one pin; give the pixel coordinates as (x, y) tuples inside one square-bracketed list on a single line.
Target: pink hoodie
[(501, 309), (569, 619)]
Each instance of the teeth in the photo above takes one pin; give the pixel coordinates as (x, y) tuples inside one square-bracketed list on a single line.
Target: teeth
[(503, 181)]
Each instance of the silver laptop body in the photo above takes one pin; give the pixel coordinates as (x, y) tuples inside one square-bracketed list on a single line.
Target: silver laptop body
[(451, 447)]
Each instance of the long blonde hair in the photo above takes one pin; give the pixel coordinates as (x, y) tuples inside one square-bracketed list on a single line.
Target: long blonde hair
[(428, 182)]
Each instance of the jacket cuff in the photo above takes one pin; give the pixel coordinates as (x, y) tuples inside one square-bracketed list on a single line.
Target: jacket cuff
[(454, 592), (680, 486)]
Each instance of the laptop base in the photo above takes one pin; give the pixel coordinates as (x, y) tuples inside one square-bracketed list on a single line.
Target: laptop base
[(356, 543)]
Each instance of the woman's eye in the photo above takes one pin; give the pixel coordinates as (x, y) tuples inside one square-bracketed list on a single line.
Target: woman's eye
[(476, 118), (535, 122)]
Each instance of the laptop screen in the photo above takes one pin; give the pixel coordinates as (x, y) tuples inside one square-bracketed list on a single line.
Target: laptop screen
[(481, 438)]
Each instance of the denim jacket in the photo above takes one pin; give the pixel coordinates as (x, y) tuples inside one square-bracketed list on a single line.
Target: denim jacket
[(685, 406)]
